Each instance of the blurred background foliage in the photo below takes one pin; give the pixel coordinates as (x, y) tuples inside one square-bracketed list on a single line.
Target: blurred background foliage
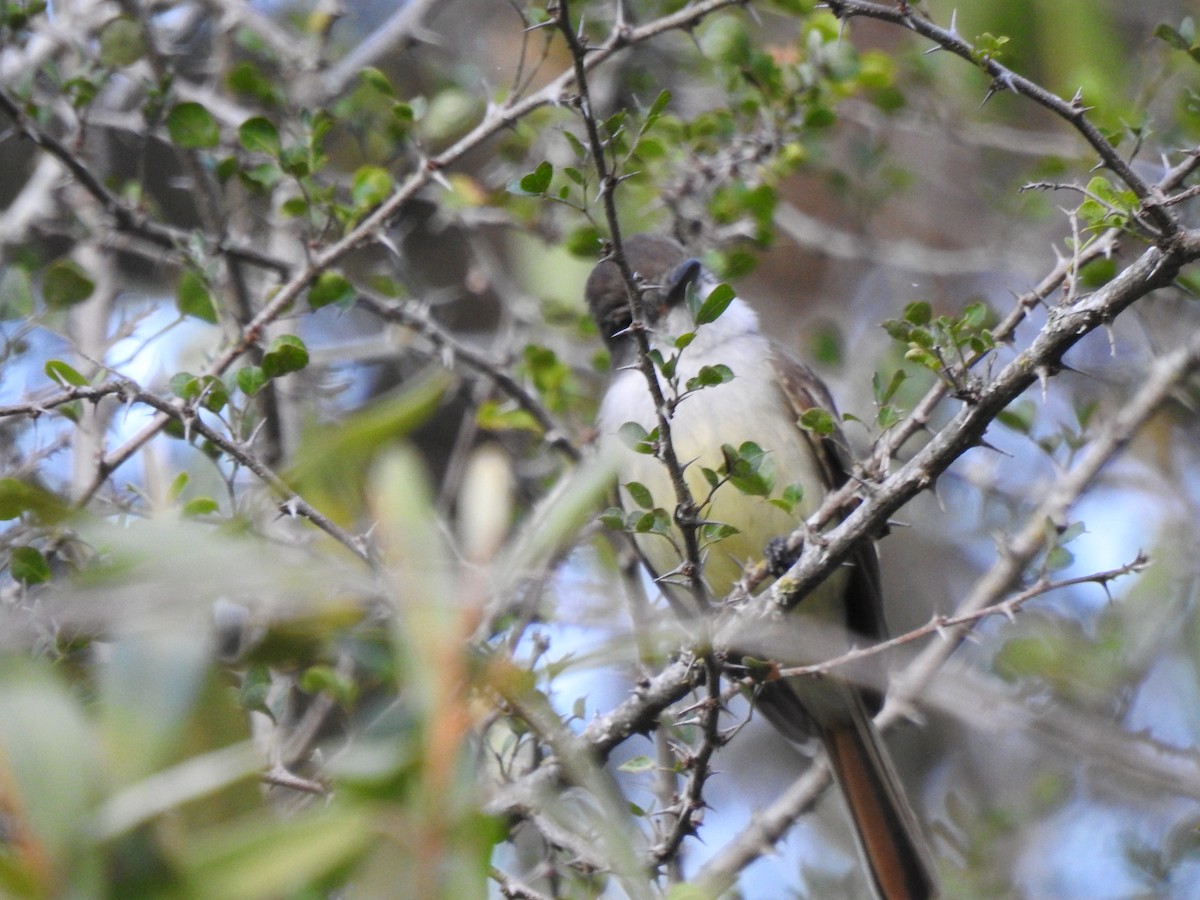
[(202, 693)]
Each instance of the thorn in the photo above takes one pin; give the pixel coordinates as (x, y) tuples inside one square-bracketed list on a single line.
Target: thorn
[(1112, 339), (986, 446), (1044, 374)]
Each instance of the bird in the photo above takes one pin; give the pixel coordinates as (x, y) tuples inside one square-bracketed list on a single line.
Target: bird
[(733, 399)]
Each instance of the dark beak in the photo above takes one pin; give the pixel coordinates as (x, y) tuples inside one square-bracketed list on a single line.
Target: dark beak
[(685, 274)]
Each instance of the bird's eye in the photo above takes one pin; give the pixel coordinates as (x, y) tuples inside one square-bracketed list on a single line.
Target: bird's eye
[(618, 323)]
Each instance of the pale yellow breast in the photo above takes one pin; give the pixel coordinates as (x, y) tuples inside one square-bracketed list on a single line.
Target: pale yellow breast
[(749, 408)]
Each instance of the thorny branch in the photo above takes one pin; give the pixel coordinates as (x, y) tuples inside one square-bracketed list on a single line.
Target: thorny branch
[(1174, 247), (1154, 269)]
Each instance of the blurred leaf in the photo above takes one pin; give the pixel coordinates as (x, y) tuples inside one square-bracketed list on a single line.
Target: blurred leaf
[(1098, 273), (638, 764), (918, 313), (493, 416), (265, 858), (121, 43), (259, 135), (193, 299), (50, 759), (16, 292), (29, 566), (1020, 416), (192, 127), (726, 40), (251, 379), (635, 437), (331, 288), (248, 80), (196, 777), (65, 284), (331, 463), (146, 690), (1173, 38), (376, 79), (200, 506), (450, 115), (370, 186), (64, 374), (19, 497), (286, 354), (555, 522), (819, 421)]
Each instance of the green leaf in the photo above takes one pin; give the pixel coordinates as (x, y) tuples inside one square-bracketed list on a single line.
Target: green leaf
[(19, 497), (640, 494), (16, 293), (214, 392), (200, 506), (656, 521), (535, 183), (918, 313), (371, 185), (121, 43), (64, 374), (883, 394), (177, 485), (374, 78), (659, 104), (286, 354), (749, 469), (493, 416), (583, 241), (636, 437), (727, 41), (637, 765), (714, 304), (1098, 272), (259, 135), (251, 379), (267, 857), (817, 420), (1019, 416), (710, 376), (192, 127), (1174, 39), (51, 762), (613, 519), (29, 566), (193, 299), (793, 494), (712, 532), (184, 385), (65, 284), (331, 287)]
